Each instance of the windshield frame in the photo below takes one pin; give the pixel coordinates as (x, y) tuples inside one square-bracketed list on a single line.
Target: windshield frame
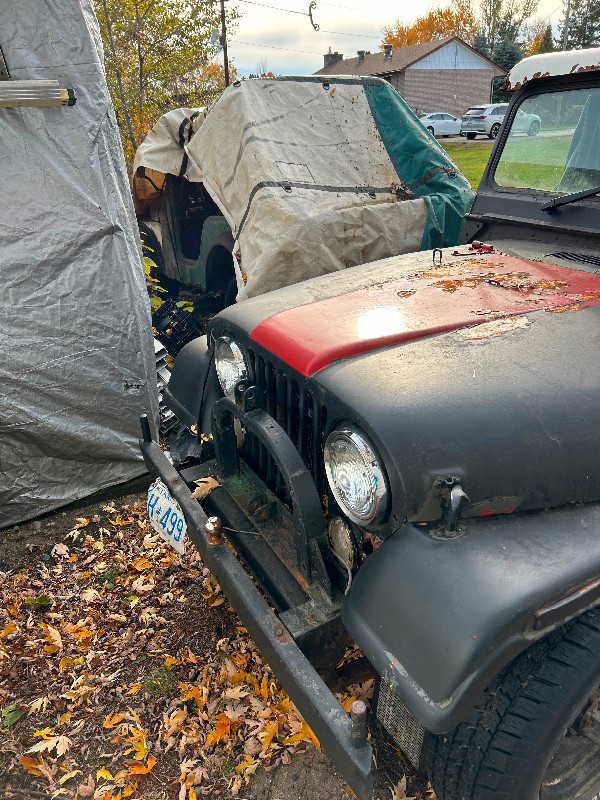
[(552, 85)]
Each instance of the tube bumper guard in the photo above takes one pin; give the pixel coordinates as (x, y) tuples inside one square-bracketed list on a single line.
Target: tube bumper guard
[(343, 736)]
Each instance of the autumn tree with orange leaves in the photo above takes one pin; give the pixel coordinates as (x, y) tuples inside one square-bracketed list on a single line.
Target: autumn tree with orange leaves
[(457, 19), (158, 56)]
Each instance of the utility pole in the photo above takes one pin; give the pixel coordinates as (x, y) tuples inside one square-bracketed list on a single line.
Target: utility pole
[(224, 43), (566, 30)]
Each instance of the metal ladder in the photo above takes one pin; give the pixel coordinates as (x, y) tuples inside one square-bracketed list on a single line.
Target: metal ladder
[(15, 94)]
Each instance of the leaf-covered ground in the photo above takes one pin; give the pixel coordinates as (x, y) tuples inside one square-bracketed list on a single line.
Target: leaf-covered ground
[(124, 673)]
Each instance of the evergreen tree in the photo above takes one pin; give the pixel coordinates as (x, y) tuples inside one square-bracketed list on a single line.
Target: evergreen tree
[(547, 43), (507, 53), (584, 25), (480, 44)]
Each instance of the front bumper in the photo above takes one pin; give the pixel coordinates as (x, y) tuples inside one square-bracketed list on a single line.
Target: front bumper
[(342, 737)]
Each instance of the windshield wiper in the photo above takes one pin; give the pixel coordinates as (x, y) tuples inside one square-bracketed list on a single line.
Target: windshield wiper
[(566, 199)]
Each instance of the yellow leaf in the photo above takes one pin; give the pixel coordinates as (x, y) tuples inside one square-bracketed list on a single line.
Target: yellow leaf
[(264, 688), (8, 628), (135, 687), (133, 601), (305, 735), (47, 733), (66, 717), (66, 660), (192, 794), (245, 763), (170, 661), (52, 636), (129, 789), (141, 563), (267, 735), (104, 773)]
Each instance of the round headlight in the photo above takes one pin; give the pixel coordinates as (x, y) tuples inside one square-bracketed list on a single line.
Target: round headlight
[(230, 363), (355, 475)]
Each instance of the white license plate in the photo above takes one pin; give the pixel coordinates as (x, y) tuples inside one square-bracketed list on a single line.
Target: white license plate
[(166, 516)]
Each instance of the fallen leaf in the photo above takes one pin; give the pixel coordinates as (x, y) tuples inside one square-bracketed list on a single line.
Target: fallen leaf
[(135, 768), (87, 789), (205, 487), (104, 773)]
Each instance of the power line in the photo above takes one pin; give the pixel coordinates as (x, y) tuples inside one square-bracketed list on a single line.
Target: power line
[(362, 35), (275, 8), (303, 14), (350, 8), (274, 47)]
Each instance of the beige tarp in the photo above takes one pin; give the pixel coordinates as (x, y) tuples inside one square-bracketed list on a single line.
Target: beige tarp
[(291, 163), (162, 152)]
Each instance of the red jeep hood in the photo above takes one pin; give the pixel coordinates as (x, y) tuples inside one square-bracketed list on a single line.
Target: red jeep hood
[(437, 300)]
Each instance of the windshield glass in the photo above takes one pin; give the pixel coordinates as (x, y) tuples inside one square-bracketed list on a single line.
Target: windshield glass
[(554, 143)]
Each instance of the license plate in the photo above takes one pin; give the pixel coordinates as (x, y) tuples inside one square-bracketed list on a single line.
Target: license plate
[(166, 516)]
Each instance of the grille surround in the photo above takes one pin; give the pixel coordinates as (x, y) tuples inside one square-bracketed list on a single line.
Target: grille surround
[(299, 412)]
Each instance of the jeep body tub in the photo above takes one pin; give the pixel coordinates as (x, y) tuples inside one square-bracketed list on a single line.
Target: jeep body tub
[(416, 443)]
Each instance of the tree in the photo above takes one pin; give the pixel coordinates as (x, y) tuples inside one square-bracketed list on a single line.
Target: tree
[(480, 43), (584, 25), (159, 55), (457, 19), (507, 53), (504, 20), (547, 43)]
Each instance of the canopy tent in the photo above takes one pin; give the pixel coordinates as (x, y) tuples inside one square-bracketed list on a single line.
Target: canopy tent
[(77, 365)]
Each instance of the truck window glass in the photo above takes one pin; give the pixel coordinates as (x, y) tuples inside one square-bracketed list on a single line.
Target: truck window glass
[(554, 143)]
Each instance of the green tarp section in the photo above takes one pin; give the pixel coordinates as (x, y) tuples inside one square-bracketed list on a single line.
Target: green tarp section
[(424, 165)]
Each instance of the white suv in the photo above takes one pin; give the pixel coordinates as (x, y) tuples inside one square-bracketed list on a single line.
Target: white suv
[(486, 120), (483, 120)]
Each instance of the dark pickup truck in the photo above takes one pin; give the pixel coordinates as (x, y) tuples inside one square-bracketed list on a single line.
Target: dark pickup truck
[(409, 454)]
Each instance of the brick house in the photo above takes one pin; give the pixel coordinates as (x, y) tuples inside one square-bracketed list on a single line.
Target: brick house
[(442, 75)]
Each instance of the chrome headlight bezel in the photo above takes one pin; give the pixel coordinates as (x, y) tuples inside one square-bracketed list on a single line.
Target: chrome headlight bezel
[(379, 500), (236, 358)]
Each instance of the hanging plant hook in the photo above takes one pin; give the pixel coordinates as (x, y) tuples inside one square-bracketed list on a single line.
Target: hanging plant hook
[(311, 8)]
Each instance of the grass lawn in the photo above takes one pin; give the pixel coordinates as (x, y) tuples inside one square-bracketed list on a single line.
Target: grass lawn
[(470, 157)]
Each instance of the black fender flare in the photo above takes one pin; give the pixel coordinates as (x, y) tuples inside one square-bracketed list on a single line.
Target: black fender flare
[(439, 619), (194, 386)]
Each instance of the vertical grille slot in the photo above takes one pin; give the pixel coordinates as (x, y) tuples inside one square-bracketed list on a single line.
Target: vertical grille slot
[(295, 409)]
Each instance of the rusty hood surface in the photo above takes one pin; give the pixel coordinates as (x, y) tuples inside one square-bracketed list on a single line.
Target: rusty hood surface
[(485, 367)]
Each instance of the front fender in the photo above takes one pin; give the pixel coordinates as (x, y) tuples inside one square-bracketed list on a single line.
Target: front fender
[(193, 386), (440, 618)]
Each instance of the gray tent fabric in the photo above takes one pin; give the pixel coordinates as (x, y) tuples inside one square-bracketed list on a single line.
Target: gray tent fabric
[(77, 366)]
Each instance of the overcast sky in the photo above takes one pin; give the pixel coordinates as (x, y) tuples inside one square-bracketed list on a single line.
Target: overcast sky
[(345, 26)]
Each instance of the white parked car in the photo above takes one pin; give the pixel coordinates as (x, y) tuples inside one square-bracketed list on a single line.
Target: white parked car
[(438, 123), (487, 119)]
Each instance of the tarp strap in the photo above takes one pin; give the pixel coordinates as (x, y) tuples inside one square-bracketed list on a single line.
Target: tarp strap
[(289, 185), (431, 174), (182, 143), (184, 161)]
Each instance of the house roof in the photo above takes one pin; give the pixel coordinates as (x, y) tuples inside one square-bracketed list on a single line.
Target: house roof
[(401, 59)]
